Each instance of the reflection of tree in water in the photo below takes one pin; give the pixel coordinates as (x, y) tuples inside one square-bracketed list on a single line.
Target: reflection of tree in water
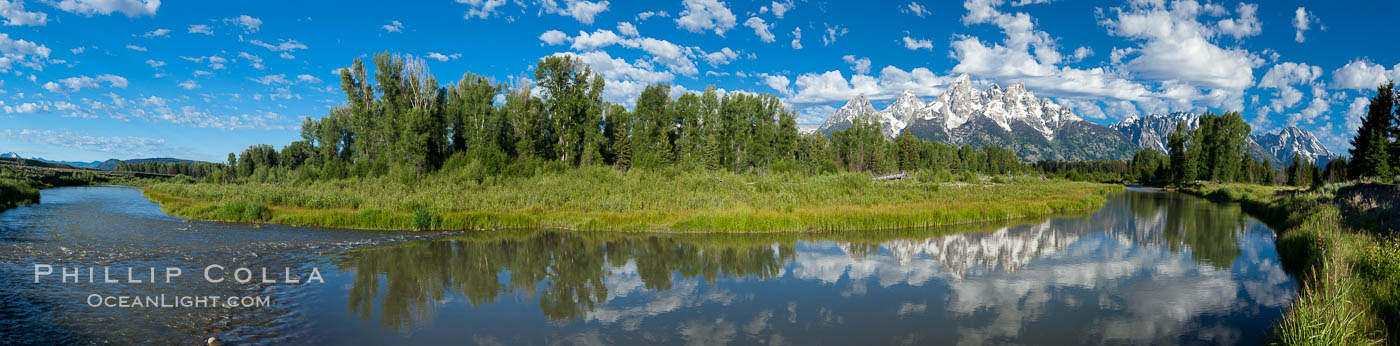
[(567, 271), (1210, 230)]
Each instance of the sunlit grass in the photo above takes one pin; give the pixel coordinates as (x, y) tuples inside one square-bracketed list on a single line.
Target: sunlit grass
[(608, 199), (1350, 278)]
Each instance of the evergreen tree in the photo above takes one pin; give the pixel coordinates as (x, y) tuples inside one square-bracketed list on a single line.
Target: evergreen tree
[(1294, 179), (1316, 176), (1182, 169), (1370, 147)]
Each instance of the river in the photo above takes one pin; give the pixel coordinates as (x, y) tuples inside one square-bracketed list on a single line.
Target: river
[(1148, 267)]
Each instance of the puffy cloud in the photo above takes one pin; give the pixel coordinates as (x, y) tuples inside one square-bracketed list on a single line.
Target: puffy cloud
[(623, 80), (721, 57), (831, 86), (253, 60), (157, 33), (916, 9), (201, 29), (1302, 22), (796, 38), (598, 39), (781, 8), (155, 63), (25, 108), (25, 53), (582, 11), (911, 43), (1362, 75), (285, 45), (777, 82), (250, 24), (832, 32), (627, 29), (860, 66), (75, 84), (15, 15), (1175, 46), (1029, 55), (676, 58), (131, 8), (1355, 112), (393, 26), (702, 15), (1289, 73), (189, 85), (481, 9), (760, 28), (1317, 107), (554, 37), (135, 47), (1081, 53), (617, 69), (1246, 26), (1287, 97), (442, 57)]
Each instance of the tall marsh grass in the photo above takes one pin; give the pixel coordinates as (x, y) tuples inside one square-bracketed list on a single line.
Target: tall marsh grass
[(1350, 277), (603, 198)]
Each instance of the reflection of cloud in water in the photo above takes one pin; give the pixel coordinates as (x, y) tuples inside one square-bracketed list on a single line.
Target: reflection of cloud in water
[(1142, 270), (624, 281), (1143, 287), (719, 332)]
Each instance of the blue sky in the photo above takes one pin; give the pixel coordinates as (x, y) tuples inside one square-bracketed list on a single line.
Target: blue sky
[(98, 79)]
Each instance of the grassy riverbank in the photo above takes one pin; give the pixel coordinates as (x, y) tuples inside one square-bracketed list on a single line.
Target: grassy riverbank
[(17, 192), (1349, 266), (20, 185), (607, 199)]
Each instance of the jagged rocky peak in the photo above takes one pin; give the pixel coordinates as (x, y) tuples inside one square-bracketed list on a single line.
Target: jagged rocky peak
[(1293, 141), (1010, 117), (1151, 131), (961, 88), (846, 115)]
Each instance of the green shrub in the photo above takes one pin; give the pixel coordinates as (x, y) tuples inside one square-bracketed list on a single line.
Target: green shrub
[(423, 219)]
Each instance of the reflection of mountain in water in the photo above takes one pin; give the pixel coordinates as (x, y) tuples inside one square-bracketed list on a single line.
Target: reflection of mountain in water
[(1005, 249), (1210, 231), (572, 275)]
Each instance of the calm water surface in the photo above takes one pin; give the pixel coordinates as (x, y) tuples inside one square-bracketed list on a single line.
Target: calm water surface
[(1149, 267)]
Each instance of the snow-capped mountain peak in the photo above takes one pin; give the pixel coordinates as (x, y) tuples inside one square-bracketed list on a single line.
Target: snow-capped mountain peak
[(1292, 141), (1009, 116), (1152, 132), (847, 114)]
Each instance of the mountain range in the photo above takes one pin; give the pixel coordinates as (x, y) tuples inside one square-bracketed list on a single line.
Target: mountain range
[(107, 165), (1278, 148), (1035, 128), (1039, 129)]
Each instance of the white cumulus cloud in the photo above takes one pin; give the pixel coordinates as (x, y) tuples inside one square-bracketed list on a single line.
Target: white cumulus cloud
[(131, 8), (702, 15), (760, 28)]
